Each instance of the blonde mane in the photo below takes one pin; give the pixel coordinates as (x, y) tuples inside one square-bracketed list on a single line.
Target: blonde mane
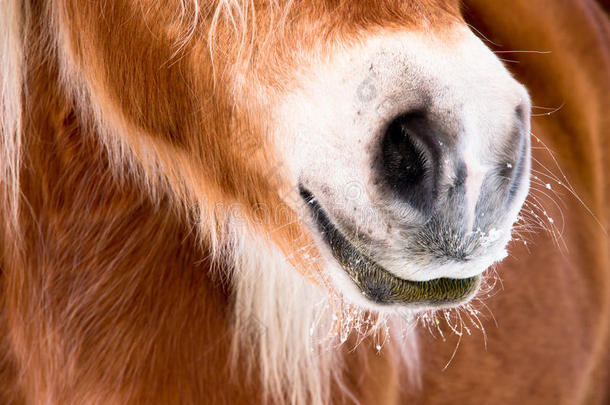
[(11, 86)]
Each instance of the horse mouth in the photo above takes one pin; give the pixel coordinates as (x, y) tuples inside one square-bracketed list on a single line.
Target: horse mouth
[(376, 283)]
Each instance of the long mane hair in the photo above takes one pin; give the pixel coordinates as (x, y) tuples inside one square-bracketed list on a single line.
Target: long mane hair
[(284, 330)]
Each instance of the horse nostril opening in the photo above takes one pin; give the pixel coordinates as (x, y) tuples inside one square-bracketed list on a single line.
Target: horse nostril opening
[(520, 113), (404, 158), (408, 161)]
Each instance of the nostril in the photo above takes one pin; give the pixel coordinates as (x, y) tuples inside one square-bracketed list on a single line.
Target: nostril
[(404, 156), (408, 161), (515, 171), (520, 113), (516, 152)]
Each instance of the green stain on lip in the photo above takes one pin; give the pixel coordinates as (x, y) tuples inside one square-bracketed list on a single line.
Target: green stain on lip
[(380, 286)]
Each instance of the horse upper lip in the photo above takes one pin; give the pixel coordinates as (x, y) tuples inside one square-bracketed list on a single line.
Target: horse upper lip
[(374, 281)]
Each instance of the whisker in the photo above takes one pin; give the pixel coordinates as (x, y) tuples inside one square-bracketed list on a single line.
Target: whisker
[(567, 184), (537, 205), (473, 314), (550, 110), (547, 195), (552, 227), (489, 310), (472, 27), (457, 345)]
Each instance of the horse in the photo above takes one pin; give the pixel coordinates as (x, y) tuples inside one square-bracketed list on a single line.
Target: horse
[(304, 202)]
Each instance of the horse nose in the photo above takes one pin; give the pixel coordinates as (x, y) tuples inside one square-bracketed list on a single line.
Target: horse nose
[(410, 160)]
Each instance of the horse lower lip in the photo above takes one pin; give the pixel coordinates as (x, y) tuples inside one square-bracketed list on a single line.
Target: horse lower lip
[(393, 290), (376, 283)]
